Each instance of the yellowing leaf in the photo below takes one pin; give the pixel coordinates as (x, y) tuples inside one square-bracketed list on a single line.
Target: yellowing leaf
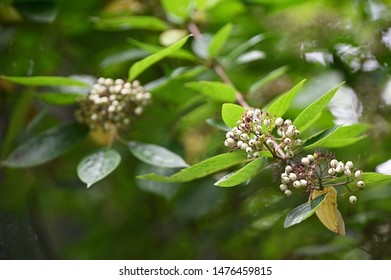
[(328, 212)]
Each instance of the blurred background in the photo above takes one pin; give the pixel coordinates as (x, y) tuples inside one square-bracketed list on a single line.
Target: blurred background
[(47, 213)]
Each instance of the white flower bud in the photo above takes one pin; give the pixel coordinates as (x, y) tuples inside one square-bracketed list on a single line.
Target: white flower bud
[(352, 199), (334, 163), (285, 180), (257, 112), (296, 184), (256, 121), (284, 175), (256, 155), (237, 132), (303, 183), (280, 132), (269, 142), (252, 142), (101, 80), (229, 142), (249, 150), (266, 122), (258, 128), (279, 121), (289, 154), (331, 171), (138, 110), (283, 187), (287, 141), (358, 174), (244, 136), (288, 169), (240, 143), (360, 184), (250, 113), (292, 177), (347, 173), (108, 82), (229, 134), (296, 133), (290, 133), (288, 122), (349, 165), (305, 161), (288, 193), (340, 168), (119, 82), (111, 108), (244, 146), (311, 158), (94, 117), (298, 142)]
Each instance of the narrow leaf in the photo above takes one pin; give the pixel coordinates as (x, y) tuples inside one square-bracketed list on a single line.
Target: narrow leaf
[(156, 155), (202, 169), (46, 146), (215, 90), (328, 212), (309, 115), (143, 64), (303, 211), (218, 124), (242, 175), (219, 40), (131, 22), (268, 78), (245, 46), (45, 81), (347, 135), (59, 98), (282, 103), (98, 165), (231, 113), (320, 138)]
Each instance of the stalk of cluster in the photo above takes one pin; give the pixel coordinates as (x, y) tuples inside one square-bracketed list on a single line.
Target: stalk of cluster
[(318, 170), (112, 102), (257, 131)]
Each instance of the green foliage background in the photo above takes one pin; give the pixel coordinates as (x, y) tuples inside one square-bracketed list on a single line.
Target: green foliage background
[(46, 212)]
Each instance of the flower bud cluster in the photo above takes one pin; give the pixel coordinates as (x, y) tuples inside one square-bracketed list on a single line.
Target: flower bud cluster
[(112, 102), (318, 170), (259, 131)]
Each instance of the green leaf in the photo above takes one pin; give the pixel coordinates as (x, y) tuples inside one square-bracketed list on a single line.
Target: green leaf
[(320, 138), (43, 11), (310, 114), (46, 146), (214, 90), (303, 211), (245, 46), (177, 10), (231, 113), (201, 169), (59, 98), (156, 155), (182, 54), (281, 104), (45, 81), (218, 124), (98, 165), (268, 78), (243, 174), (219, 40), (371, 178), (131, 22), (143, 64)]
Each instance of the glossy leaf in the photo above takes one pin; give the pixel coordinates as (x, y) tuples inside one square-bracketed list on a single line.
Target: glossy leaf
[(372, 178), (156, 155), (245, 46), (320, 138), (219, 40), (58, 98), (243, 174), (214, 90), (282, 103), (303, 211), (218, 124), (268, 78), (347, 135), (46, 146), (131, 22), (98, 165), (143, 64), (328, 212), (45, 81), (310, 114), (201, 169), (231, 113)]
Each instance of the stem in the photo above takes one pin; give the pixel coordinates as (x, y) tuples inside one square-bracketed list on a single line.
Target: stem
[(277, 148), (219, 70)]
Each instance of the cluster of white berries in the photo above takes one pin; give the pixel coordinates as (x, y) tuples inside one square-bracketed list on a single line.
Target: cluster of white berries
[(112, 102), (319, 170), (258, 130)]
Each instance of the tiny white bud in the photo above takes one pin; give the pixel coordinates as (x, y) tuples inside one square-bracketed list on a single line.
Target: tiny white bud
[(256, 154), (287, 141), (258, 128), (238, 132), (229, 134), (109, 82), (280, 132), (101, 80), (119, 82), (250, 113), (297, 184), (310, 157), (292, 177), (358, 174), (298, 142), (296, 133), (257, 112), (352, 199), (289, 154), (266, 122), (288, 169), (269, 142), (290, 133), (288, 193), (279, 121), (360, 184), (138, 110), (244, 146), (112, 97), (285, 180), (334, 163), (303, 183), (229, 142), (249, 150), (288, 122), (256, 121), (347, 173), (252, 142), (283, 187), (111, 108), (305, 161), (94, 117), (240, 143), (126, 121), (331, 171), (349, 165), (244, 136), (115, 102)]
